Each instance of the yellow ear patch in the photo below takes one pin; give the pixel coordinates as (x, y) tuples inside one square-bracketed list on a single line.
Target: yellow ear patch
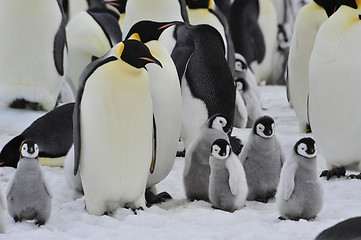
[(121, 49), (135, 36), (211, 4)]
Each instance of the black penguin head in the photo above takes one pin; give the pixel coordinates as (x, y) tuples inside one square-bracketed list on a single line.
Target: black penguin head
[(146, 31), (331, 6), (195, 4), (219, 122), (136, 54), (306, 147), (221, 149), (29, 149), (118, 5), (241, 84), (264, 127)]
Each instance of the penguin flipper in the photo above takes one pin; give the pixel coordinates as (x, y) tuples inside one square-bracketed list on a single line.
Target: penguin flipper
[(60, 43), (234, 168), (89, 70), (258, 43), (288, 179), (154, 150)]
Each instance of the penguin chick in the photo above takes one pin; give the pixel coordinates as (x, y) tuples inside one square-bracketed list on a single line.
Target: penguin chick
[(300, 194), (2, 212), (196, 169), (28, 195), (262, 158), (240, 114), (227, 182)]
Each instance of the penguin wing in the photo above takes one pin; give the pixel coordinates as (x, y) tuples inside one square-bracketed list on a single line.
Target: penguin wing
[(154, 152), (244, 154), (236, 173), (60, 43), (288, 179), (241, 108), (184, 12), (109, 25), (89, 70), (47, 189)]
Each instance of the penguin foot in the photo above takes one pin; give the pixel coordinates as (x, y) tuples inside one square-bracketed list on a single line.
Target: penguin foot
[(353, 176), (135, 211), (16, 219), (40, 222), (308, 128), (181, 153), (338, 172), (282, 218), (24, 104), (152, 198)]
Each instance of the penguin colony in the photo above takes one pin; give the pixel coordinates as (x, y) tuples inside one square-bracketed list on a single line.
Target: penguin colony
[(145, 75)]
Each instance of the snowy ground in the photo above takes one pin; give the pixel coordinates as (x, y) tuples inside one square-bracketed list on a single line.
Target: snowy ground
[(178, 218)]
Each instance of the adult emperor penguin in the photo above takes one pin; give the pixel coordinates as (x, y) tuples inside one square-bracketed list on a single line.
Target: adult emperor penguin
[(299, 193), (108, 127), (334, 57), (308, 21), (348, 229), (227, 182), (28, 196), (155, 10), (196, 168), (90, 35), (207, 83), (206, 12), (53, 132), (33, 56), (262, 158), (167, 102)]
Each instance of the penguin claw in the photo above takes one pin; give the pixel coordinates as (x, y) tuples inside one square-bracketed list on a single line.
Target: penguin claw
[(16, 219), (154, 199), (39, 223), (338, 172), (135, 211)]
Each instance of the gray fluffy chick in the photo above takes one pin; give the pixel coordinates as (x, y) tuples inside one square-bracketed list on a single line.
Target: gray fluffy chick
[(300, 193), (28, 196), (196, 169), (262, 158)]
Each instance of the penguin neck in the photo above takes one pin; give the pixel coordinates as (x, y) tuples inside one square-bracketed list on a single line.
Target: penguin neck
[(263, 143), (28, 165), (309, 165)]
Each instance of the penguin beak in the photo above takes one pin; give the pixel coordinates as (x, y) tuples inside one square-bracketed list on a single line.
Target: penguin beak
[(31, 150), (310, 151), (268, 132), (1, 163), (151, 60), (165, 26), (113, 4)]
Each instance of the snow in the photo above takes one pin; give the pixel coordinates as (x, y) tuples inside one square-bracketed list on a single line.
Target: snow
[(179, 218)]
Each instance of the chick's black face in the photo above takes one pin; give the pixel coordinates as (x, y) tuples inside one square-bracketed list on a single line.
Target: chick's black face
[(306, 147), (220, 149), (264, 127)]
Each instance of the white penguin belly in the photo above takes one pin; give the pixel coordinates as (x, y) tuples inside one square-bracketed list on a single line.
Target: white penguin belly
[(27, 68), (167, 101), (335, 94), (116, 133)]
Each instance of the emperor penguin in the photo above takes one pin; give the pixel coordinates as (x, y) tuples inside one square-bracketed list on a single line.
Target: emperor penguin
[(348, 229), (308, 21), (227, 182), (300, 193), (166, 99), (196, 167), (28, 195), (207, 84), (113, 121), (155, 10), (206, 12), (33, 56), (2, 211), (53, 133), (262, 158), (91, 34), (335, 57)]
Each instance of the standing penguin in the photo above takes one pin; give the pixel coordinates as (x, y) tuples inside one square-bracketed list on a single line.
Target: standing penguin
[(335, 57), (91, 34), (108, 127), (300, 194), (2, 211), (227, 182), (33, 54), (167, 102), (262, 158), (28, 196), (155, 10), (196, 168)]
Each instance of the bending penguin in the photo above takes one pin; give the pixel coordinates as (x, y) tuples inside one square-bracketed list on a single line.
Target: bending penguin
[(28, 196), (167, 103), (300, 194), (33, 56), (262, 158), (227, 182), (108, 127)]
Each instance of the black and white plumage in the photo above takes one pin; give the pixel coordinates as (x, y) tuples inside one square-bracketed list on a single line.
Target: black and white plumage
[(262, 158), (28, 196), (196, 169), (300, 194), (227, 182)]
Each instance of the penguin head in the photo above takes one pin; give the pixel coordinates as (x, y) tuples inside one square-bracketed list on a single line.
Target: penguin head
[(136, 54), (195, 4), (306, 147), (219, 122), (264, 127), (29, 149), (146, 31), (116, 5), (221, 149)]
